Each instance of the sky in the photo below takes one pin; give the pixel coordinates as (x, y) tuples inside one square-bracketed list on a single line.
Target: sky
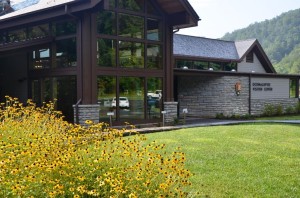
[(221, 16)]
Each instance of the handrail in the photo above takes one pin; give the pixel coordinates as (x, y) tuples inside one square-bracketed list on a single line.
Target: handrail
[(77, 111)]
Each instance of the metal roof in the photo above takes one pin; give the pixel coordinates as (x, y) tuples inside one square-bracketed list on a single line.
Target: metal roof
[(204, 48), (27, 6)]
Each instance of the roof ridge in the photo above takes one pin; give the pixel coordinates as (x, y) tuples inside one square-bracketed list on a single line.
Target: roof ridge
[(201, 37)]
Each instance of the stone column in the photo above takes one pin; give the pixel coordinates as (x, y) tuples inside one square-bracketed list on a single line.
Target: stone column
[(85, 112), (171, 112)]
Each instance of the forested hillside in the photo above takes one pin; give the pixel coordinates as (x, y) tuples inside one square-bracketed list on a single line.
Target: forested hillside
[(280, 38)]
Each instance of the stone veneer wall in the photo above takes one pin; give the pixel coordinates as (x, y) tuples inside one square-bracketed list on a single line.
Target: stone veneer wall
[(207, 96), (258, 105), (171, 109), (87, 112)]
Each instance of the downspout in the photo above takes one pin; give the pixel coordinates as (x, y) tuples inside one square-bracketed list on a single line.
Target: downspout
[(250, 94)]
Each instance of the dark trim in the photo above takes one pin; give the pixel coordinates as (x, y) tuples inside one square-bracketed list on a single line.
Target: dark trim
[(194, 72), (25, 44)]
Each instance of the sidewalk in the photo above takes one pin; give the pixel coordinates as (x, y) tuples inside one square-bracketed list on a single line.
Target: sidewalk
[(211, 122)]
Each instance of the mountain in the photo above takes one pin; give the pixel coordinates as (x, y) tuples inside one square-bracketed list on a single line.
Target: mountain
[(280, 38)]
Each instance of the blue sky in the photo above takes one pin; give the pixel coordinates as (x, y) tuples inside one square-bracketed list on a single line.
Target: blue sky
[(221, 16)]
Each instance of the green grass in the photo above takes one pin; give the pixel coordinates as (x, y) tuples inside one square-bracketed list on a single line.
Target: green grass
[(257, 160)]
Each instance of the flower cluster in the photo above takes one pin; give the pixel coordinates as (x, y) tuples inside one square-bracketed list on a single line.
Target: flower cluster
[(41, 155)]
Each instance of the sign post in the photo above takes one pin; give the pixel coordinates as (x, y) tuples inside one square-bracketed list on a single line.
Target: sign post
[(110, 114), (163, 113), (184, 111)]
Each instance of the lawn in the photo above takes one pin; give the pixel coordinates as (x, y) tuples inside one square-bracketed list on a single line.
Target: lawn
[(251, 160), (295, 117)]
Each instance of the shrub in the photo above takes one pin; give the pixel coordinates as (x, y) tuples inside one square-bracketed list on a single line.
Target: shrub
[(290, 110), (269, 110), (43, 156), (297, 108), (278, 110), (220, 116)]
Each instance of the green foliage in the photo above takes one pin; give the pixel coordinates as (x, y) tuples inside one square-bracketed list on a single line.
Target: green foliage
[(290, 110), (278, 110), (279, 37), (297, 108), (269, 110)]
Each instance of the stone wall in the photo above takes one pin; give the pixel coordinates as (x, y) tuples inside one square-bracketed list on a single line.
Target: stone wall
[(87, 112), (207, 96), (258, 105), (171, 109)]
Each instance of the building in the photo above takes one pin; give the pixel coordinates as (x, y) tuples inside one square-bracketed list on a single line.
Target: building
[(113, 59), (89, 52), (233, 78)]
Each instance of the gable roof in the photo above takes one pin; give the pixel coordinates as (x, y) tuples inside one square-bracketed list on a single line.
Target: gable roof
[(219, 50), (20, 7), (180, 13)]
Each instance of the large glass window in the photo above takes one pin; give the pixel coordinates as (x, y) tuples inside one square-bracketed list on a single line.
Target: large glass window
[(230, 66), (41, 58), (66, 54), (135, 5), (106, 49), (38, 31), (201, 65), (154, 57), (17, 35), (131, 26), (106, 23), (153, 30), (107, 88), (154, 98), (131, 98), (61, 88), (64, 28), (131, 54)]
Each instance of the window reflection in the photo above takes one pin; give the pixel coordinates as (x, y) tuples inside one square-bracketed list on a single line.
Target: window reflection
[(66, 53), (135, 5), (64, 28), (153, 30), (17, 35), (131, 99), (106, 52), (106, 23), (154, 57), (38, 31), (131, 54), (131, 26), (106, 93), (154, 98), (41, 58)]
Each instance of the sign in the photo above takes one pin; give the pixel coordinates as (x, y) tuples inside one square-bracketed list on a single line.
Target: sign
[(184, 110), (164, 112), (256, 86), (110, 113)]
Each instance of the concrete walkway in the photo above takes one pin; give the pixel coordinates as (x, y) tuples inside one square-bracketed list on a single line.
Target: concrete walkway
[(211, 122)]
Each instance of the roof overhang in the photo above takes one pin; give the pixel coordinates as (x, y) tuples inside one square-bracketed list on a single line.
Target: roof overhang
[(180, 13), (67, 9)]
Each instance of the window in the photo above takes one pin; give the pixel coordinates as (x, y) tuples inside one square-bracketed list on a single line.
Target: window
[(153, 30), (230, 66), (154, 57), (131, 26), (41, 58), (201, 65), (134, 5), (154, 98), (215, 66), (64, 28), (131, 54), (106, 23), (250, 57), (38, 31), (61, 88), (107, 87), (106, 49), (293, 88), (17, 35), (66, 55)]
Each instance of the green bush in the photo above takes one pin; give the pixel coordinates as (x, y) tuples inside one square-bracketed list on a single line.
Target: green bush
[(278, 110), (297, 108), (269, 110), (290, 110), (43, 156)]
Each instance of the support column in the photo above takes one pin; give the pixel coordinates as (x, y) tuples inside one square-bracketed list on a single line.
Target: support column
[(86, 112), (171, 112)]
